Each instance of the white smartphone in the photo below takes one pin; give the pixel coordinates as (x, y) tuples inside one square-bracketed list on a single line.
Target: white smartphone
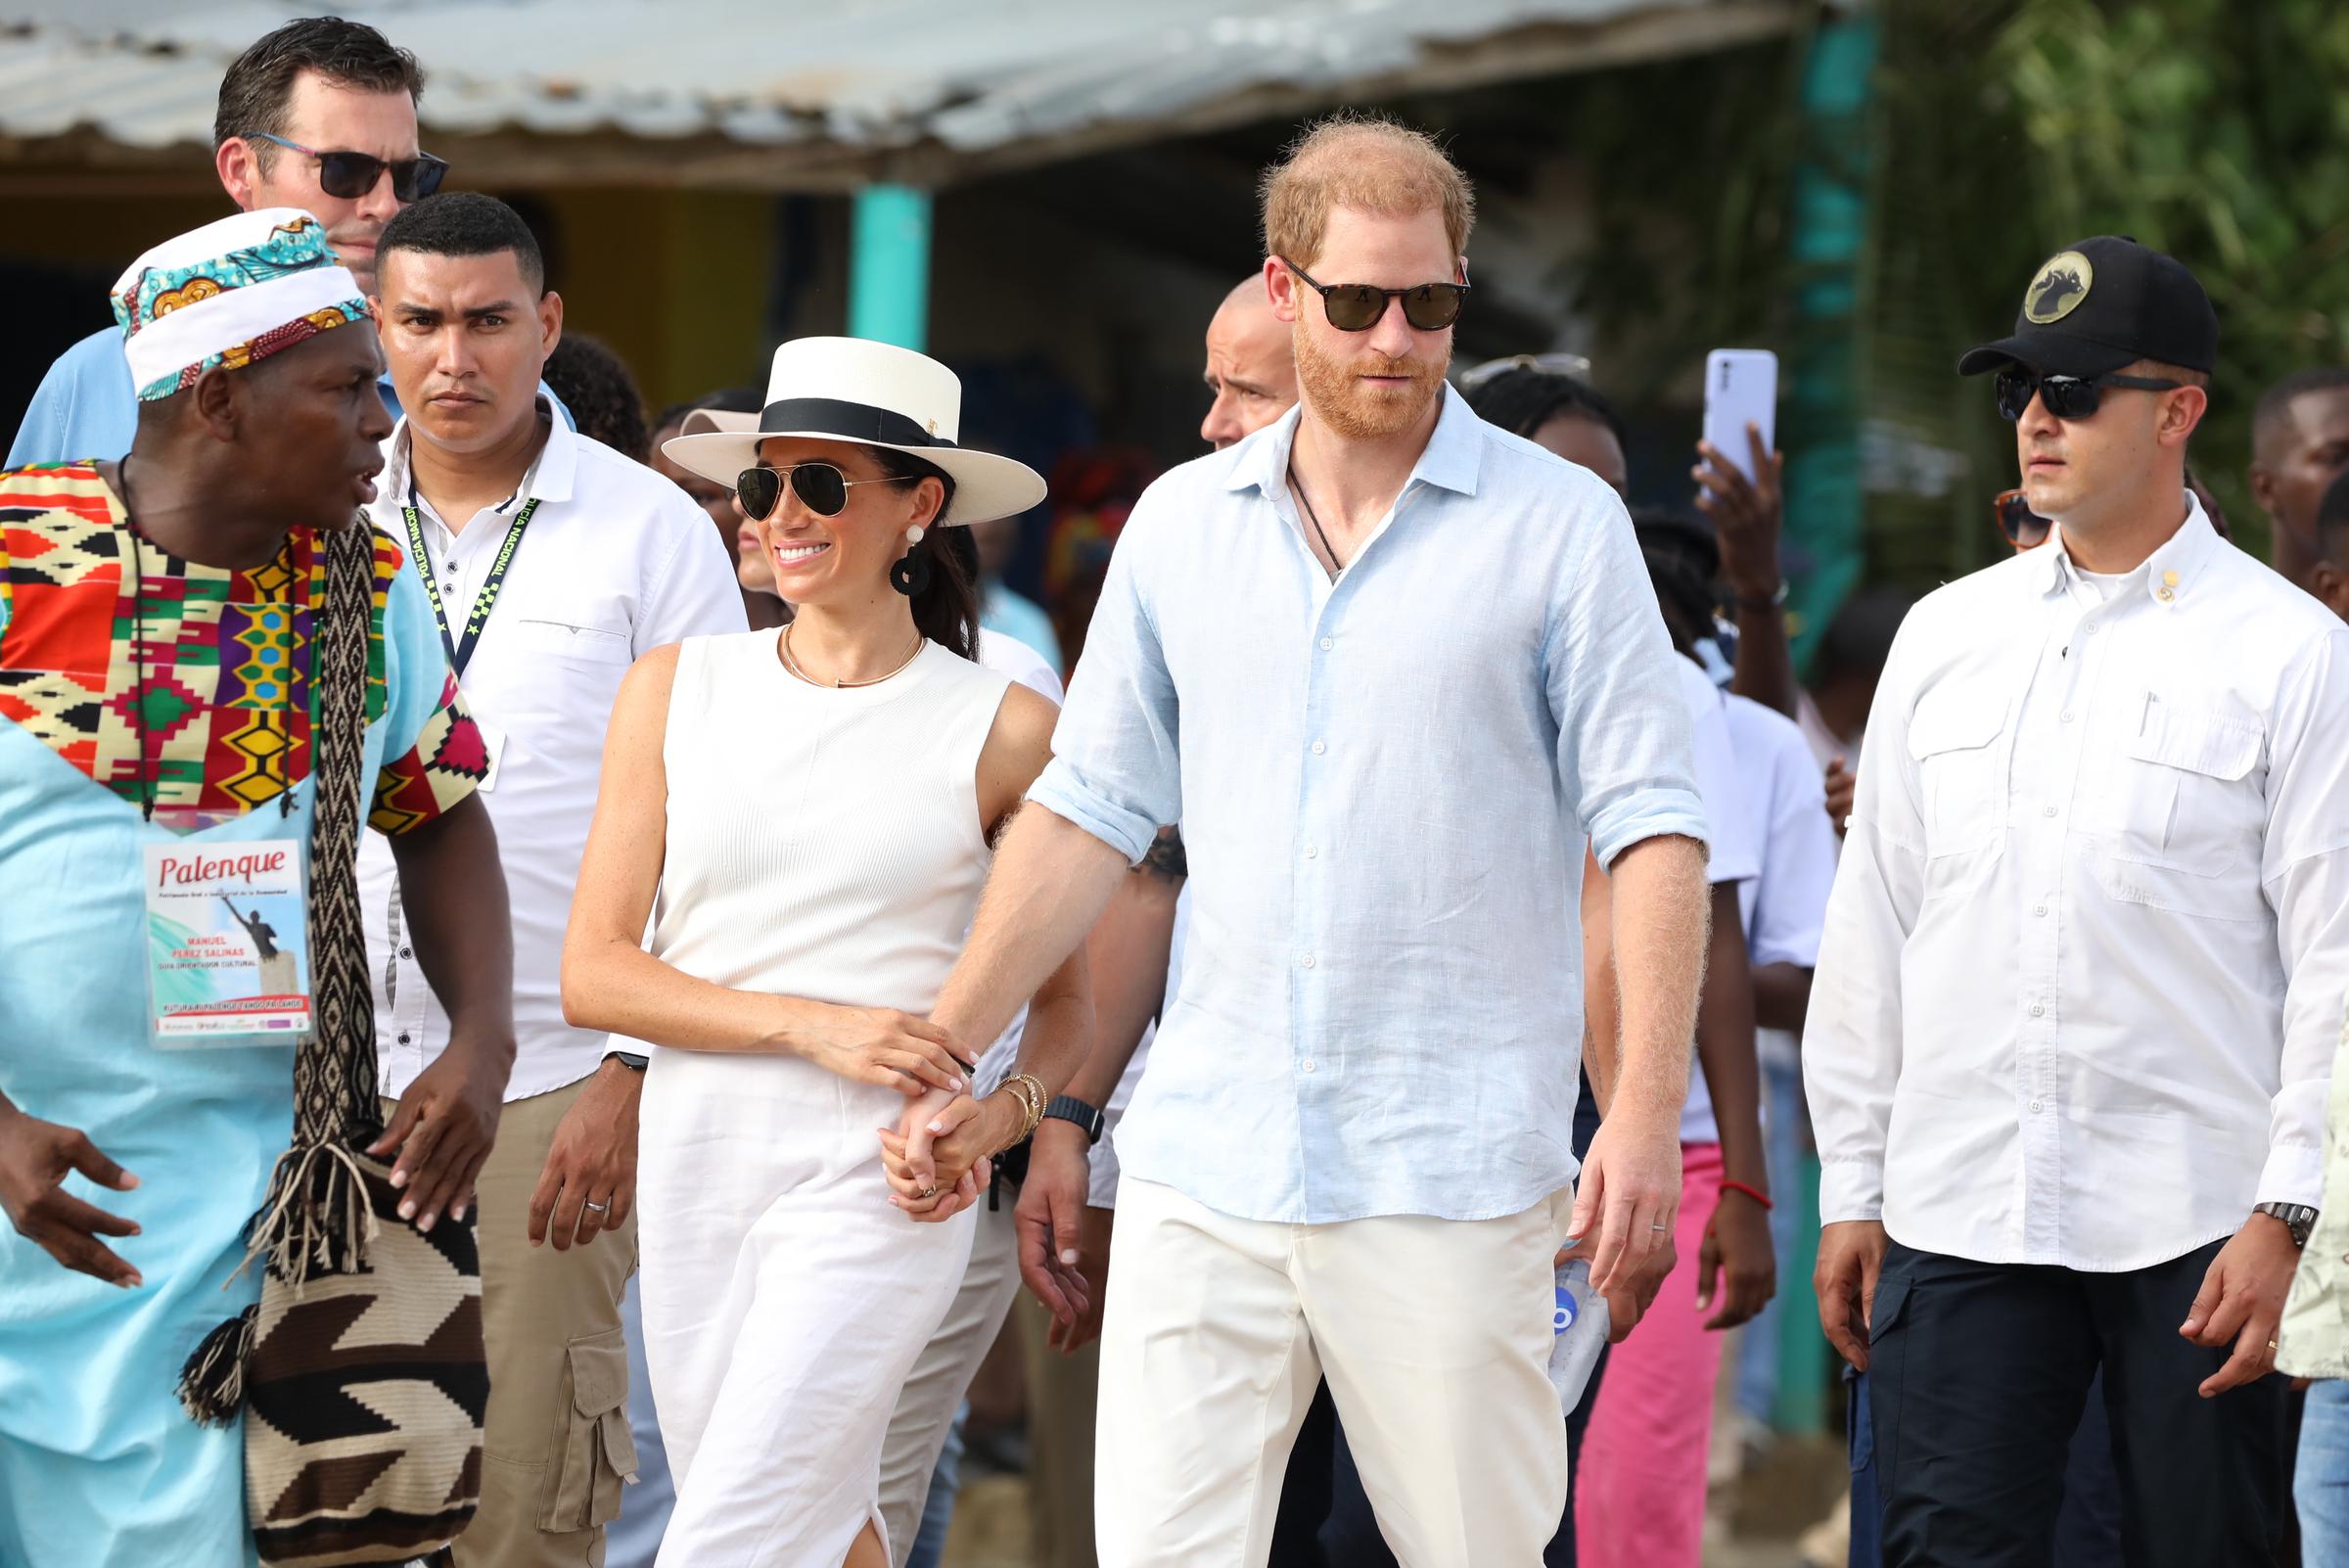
[(1741, 389)]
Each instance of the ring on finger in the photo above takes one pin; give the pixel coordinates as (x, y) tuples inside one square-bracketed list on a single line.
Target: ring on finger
[(597, 1208)]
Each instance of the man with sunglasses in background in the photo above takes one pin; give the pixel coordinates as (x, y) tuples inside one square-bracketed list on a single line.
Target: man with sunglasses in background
[(552, 563), (319, 114), (2073, 1023), (1388, 665)]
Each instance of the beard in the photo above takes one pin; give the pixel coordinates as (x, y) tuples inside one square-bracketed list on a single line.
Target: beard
[(1351, 408)]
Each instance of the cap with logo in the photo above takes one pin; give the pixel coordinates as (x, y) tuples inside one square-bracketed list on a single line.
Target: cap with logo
[(2102, 303)]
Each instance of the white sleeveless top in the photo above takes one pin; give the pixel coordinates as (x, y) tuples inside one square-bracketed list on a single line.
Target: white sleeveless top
[(822, 843)]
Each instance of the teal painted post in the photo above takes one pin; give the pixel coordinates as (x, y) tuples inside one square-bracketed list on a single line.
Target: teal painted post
[(888, 265), (1827, 237), (1824, 509)]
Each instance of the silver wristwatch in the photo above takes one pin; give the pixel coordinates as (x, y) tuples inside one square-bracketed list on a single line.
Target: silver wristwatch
[(2298, 1218)]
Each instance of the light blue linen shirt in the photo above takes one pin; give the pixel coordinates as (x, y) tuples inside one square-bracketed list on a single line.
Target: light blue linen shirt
[(1385, 785), (86, 407)]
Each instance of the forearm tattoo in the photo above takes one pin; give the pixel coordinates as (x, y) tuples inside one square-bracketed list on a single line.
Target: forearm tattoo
[(1166, 858)]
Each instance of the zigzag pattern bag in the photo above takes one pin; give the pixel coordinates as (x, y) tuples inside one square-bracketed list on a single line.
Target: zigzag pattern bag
[(361, 1372)]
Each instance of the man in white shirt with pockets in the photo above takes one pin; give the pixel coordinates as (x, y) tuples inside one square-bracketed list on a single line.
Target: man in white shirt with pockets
[(554, 563), (2073, 1023)]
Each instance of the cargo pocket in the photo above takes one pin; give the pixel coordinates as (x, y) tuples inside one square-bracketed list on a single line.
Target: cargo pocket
[(594, 1453)]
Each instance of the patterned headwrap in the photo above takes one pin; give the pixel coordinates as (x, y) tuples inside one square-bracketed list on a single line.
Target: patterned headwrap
[(232, 293)]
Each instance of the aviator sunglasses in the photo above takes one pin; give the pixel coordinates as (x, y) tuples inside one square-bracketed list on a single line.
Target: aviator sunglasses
[(821, 487), (348, 177), (2066, 396), (1358, 306)]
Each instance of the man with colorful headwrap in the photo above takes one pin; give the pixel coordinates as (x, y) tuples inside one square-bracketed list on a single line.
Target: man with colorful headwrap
[(157, 687)]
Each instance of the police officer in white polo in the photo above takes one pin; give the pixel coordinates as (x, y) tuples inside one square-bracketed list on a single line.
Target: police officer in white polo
[(2073, 1022)]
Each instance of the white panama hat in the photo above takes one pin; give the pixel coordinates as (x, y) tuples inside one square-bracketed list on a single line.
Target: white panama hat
[(871, 393)]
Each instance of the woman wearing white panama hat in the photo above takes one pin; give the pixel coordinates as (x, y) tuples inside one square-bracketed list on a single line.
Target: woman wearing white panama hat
[(805, 818)]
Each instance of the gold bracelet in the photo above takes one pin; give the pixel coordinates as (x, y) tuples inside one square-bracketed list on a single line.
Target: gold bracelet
[(1020, 1092), (1032, 1093)]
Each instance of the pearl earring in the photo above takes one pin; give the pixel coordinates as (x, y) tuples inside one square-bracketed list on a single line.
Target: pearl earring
[(913, 534)]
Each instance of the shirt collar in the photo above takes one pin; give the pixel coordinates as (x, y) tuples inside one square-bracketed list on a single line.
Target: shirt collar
[(2167, 576), (1451, 459), (551, 476)]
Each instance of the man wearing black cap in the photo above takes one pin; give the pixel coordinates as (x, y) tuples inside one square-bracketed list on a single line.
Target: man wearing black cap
[(2072, 1029)]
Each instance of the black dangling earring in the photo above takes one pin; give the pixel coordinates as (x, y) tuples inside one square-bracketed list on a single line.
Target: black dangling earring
[(910, 575)]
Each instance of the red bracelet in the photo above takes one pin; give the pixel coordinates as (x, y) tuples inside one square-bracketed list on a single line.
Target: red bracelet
[(1755, 1194)]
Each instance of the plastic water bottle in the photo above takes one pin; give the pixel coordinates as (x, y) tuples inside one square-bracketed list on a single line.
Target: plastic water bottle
[(1579, 1331)]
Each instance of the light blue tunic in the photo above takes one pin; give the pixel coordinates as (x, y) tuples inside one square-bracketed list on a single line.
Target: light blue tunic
[(99, 1465)]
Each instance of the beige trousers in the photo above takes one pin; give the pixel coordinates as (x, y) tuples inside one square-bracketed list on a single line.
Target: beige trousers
[(1434, 1335), (933, 1393), (557, 1444)]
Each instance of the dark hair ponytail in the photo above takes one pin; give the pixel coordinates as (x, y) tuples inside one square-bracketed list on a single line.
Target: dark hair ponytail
[(946, 609)]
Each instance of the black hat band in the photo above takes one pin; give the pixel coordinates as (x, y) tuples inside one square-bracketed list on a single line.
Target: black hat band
[(856, 422)]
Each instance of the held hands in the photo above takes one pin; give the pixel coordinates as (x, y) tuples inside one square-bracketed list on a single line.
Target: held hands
[(1736, 1245), (885, 1046), (442, 1131), (1851, 1257), (589, 1182), (36, 1157), (938, 1157), (2241, 1300)]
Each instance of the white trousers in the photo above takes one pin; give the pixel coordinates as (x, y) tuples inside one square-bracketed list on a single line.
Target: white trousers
[(784, 1302), (1434, 1335), (941, 1376)]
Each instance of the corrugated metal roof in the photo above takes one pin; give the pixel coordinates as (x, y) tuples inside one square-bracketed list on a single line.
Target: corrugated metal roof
[(860, 75)]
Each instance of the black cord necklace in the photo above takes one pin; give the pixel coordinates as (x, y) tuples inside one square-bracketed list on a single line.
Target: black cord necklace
[(1306, 501)]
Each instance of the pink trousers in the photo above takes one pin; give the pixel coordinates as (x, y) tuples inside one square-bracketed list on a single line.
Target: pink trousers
[(1639, 1489)]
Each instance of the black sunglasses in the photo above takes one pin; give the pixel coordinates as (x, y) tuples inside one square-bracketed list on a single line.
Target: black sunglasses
[(1360, 306), (348, 177), (2067, 397), (821, 487)]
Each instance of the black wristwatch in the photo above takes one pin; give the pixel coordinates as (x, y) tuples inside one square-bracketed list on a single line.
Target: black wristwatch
[(2298, 1218), (1068, 1108), (627, 1059)]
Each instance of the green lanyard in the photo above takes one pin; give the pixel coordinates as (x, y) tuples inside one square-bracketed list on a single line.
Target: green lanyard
[(460, 652)]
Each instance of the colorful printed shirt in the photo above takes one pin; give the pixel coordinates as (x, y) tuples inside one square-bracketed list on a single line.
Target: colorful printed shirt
[(91, 617), (188, 685)]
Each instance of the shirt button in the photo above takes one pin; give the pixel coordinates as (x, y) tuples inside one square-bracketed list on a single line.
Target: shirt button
[(1312, 852), (1327, 643), (403, 1039), (1306, 962), (2036, 1107), (1319, 747), (2067, 716), (1307, 1064), (2040, 910), (2036, 1010), (2091, 628), (2164, 595), (407, 952), (2047, 810)]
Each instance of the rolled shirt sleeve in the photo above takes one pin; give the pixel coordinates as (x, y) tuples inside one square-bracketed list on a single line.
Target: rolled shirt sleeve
[(1116, 771)]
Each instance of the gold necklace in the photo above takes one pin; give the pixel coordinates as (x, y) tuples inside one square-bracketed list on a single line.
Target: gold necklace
[(793, 664)]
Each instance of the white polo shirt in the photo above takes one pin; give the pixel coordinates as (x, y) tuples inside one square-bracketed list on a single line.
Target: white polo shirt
[(615, 561)]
